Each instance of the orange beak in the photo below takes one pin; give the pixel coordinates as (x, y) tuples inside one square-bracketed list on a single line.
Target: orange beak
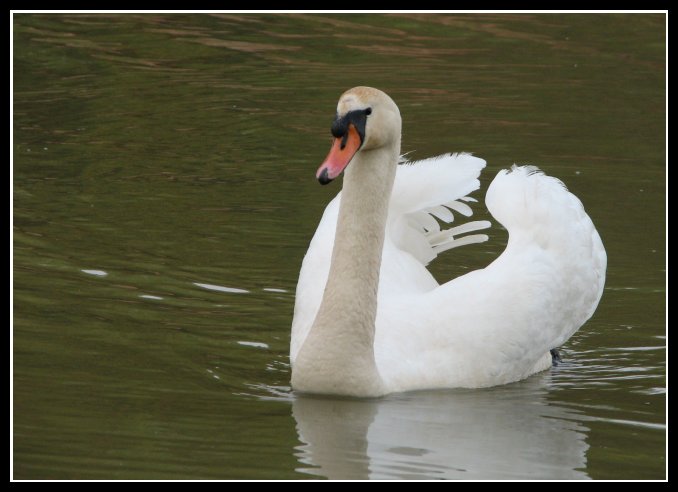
[(342, 151)]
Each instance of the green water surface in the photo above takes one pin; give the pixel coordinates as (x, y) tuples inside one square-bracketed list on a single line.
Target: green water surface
[(164, 197)]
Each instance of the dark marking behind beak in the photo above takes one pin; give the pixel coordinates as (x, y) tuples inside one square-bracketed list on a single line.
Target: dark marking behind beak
[(359, 119)]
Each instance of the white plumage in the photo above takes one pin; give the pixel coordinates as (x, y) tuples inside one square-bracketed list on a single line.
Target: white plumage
[(491, 326)]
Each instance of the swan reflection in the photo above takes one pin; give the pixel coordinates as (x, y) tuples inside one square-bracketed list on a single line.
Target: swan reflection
[(508, 432)]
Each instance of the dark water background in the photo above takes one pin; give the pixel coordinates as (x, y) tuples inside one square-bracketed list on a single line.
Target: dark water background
[(164, 196)]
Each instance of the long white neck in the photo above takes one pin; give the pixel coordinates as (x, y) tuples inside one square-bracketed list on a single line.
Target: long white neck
[(337, 356)]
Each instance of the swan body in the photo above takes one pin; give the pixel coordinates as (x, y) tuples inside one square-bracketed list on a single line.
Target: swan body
[(369, 318)]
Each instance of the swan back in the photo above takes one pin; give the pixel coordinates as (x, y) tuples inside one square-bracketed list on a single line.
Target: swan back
[(497, 324)]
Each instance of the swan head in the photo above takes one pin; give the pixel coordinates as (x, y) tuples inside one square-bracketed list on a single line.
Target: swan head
[(366, 119)]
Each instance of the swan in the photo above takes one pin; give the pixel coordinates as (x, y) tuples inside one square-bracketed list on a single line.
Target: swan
[(369, 318)]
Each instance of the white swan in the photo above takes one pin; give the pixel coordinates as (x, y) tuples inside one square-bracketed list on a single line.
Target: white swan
[(369, 319)]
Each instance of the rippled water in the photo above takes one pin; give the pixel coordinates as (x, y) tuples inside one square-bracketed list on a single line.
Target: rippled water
[(164, 196)]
